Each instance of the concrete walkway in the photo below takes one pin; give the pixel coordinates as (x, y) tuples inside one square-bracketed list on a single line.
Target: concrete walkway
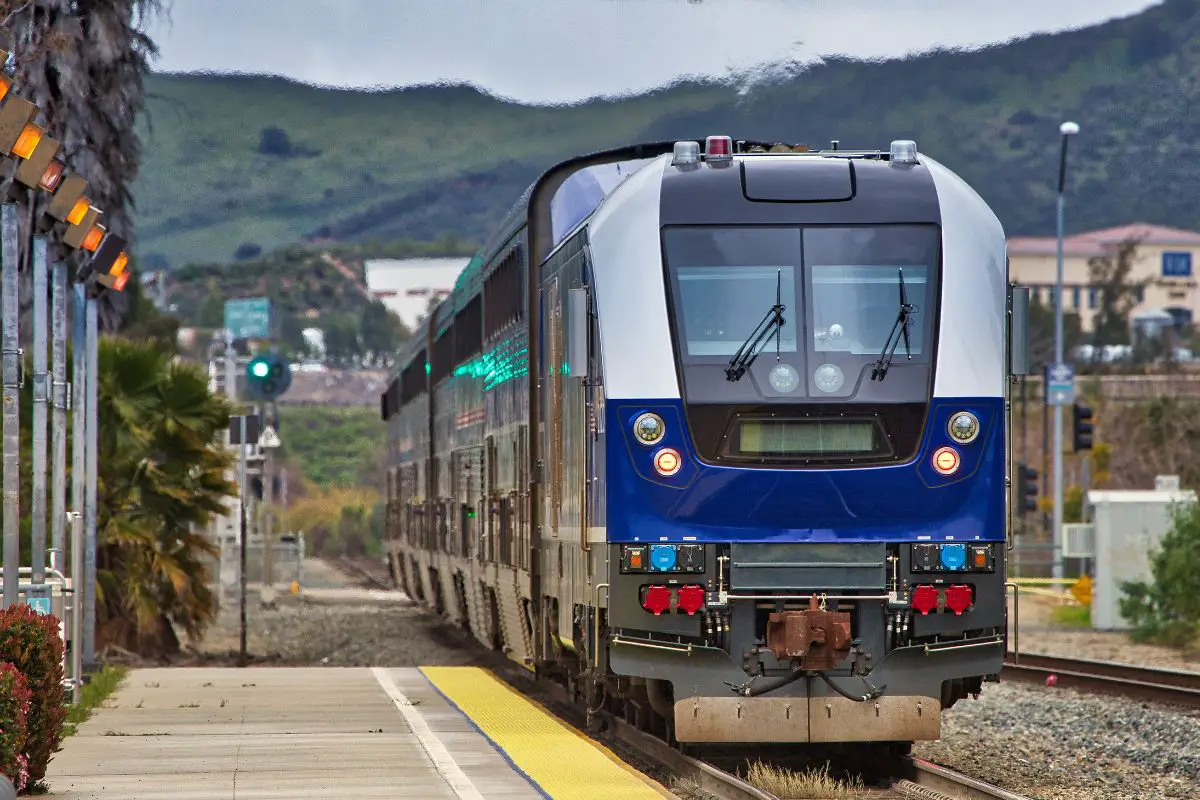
[(279, 733)]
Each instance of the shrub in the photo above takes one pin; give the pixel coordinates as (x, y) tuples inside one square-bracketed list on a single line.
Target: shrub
[(15, 701), (274, 141), (247, 250), (1167, 608), (31, 643)]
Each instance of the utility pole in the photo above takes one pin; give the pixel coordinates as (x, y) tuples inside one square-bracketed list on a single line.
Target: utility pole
[(41, 401), (1067, 129), (12, 405), (230, 368), (242, 540), (58, 397), (89, 516), (269, 442), (78, 446), (228, 558)]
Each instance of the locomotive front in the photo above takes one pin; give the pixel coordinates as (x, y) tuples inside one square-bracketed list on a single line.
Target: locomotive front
[(805, 361)]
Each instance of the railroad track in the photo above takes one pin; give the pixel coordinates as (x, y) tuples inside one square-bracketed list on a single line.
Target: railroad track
[(366, 571), (1143, 683), (918, 780), (926, 780)]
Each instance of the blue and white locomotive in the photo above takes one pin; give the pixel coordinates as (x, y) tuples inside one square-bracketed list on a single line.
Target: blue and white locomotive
[(714, 432)]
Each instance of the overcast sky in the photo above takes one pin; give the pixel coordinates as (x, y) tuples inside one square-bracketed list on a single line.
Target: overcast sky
[(545, 51)]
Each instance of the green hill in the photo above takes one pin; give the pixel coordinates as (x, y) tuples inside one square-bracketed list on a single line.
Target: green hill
[(263, 161)]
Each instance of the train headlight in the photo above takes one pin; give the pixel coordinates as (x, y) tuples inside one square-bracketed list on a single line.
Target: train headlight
[(964, 427), (649, 428), (784, 378)]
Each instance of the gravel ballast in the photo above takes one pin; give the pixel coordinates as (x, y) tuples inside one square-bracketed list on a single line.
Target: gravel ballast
[(1057, 744)]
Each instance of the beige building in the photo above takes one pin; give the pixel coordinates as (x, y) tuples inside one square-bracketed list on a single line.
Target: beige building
[(1168, 257)]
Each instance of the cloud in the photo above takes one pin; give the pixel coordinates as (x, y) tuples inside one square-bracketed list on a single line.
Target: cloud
[(547, 51)]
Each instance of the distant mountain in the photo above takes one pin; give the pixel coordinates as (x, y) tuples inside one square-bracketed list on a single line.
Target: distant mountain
[(233, 161)]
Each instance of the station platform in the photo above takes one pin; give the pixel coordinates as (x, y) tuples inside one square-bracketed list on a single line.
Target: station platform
[(298, 733)]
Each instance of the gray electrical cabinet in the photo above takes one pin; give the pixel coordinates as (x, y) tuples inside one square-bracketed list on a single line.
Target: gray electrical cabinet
[(1128, 526)]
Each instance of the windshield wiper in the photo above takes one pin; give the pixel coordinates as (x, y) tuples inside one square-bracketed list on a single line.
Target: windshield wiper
[(899, 330), (772, 324)]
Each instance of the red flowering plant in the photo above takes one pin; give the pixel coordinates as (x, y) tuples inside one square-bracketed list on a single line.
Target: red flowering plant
[(31, 643), (15, 701)]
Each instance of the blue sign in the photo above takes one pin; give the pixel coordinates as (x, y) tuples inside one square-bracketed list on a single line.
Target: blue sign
[(249, 318), (1177, 265), (1060, 384)]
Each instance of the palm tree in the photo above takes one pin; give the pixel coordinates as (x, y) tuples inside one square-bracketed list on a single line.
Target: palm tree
[(163, 477), (82, 63)]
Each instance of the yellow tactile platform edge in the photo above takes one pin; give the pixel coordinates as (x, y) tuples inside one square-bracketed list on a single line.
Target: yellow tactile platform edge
[(564, 763)]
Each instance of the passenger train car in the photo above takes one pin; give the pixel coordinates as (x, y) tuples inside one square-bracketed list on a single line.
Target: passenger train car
[(714, 432)]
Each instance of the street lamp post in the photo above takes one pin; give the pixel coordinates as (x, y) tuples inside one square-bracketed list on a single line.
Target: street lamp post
[(1067, 129)]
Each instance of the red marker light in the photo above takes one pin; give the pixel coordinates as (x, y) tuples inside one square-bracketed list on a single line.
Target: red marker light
[(667, 462), (946, 460)]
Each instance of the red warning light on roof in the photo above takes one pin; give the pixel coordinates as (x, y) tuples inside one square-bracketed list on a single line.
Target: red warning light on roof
[(718, 148)]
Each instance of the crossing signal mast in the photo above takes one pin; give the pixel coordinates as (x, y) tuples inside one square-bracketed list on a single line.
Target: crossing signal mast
[(268, 376)]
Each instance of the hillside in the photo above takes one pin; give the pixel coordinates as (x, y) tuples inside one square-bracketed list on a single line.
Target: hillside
[(424, 161), (308, 287)]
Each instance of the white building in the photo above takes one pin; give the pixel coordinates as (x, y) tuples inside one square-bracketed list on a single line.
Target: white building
[(406, 286)]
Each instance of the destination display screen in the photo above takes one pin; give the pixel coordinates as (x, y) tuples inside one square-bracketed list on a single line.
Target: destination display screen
[(806, 437)]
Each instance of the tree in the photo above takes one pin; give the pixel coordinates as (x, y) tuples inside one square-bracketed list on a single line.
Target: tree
[(82, 63), (211, 313), (274, 141), (247, 250), (381, 334), (163, 476), (342, 343), (1118, 294), (1153, 437), (291, 331), (1041, 333), (145, 321)]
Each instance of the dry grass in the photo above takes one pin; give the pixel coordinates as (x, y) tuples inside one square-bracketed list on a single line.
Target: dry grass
[(812, 784)]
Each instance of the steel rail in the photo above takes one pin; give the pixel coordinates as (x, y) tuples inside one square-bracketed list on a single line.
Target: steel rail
[(1173, 687), (926, 781)]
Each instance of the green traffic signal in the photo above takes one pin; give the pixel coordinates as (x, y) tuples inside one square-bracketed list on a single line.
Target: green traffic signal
[(268, 376)]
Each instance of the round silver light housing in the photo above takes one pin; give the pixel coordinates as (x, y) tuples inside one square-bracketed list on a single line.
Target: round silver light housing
[(649, 428), (829, 377), (784, 378), (963, 427)]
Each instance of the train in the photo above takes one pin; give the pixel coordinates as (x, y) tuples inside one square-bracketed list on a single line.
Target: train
[(714, 434)]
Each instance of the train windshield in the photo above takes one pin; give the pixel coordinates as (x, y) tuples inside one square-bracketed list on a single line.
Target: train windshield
[(843, 290)]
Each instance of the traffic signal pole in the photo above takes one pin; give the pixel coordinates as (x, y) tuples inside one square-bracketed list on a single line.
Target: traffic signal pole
[(242, 537), (268, 482)]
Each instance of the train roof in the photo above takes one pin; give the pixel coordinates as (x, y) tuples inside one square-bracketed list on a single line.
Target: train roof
[(531, 213), (534, 201)]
